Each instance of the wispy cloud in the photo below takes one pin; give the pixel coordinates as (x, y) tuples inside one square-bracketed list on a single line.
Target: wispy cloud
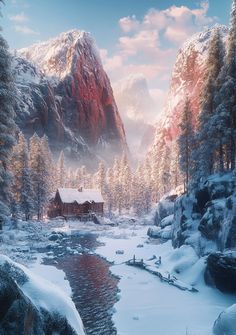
[(22, 29), (19, 18)]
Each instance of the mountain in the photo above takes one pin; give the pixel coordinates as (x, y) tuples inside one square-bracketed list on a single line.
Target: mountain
[(64, 92), (138, 111), (187, 81)]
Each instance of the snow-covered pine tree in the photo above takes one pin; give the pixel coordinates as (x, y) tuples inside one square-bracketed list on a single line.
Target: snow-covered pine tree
[(226, 101), (78, 178), (39, 176), (207, 127), (186, 142), (109, 190), (17, 164), (165, 180), (155, 170), (7, 128), (26, 194), (100, 177), (175, 173), (61, 171), (47, 154), (126, 182), (139, 191)]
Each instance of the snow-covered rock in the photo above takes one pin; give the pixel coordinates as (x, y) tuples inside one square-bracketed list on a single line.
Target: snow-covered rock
[(206, 218), (226, 322), (27, 300), (154, 232), (158, 232), (63, 91), (221, 271), (167, 221), (165, 208)]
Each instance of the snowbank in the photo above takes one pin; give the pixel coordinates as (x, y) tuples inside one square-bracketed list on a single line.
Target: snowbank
[(226, 322), (43, 294)]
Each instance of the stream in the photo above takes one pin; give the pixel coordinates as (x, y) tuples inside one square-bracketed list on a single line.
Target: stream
[(94, 288)]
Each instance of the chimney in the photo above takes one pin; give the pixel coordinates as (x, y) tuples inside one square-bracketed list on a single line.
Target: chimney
[(80, 189)]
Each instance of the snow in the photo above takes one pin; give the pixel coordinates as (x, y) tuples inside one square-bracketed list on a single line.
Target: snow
[(146, 304), (167, 221), (56, 61), (46, 295), (70, 195), (226, 322)]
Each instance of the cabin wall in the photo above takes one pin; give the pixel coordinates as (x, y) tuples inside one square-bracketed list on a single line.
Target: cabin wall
[(57, 208)]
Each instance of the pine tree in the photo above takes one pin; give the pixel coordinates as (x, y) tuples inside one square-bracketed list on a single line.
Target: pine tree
[(61, 171), (7, 128), (39, 176), (225, 120), (100, 177), (164, 167), (26, 196), (186, 142), (109, 190), (17, 164), (207, 127), (49, 162)]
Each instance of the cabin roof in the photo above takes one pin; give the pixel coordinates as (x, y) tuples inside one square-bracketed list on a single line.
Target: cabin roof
[(70, 195)]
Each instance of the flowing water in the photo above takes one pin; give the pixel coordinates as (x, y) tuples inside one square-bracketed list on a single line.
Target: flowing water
[(94, 288)]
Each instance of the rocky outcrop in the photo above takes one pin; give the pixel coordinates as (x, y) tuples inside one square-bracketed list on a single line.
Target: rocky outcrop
[(206, 218), (221, 272), (32, 306), (63, 91)]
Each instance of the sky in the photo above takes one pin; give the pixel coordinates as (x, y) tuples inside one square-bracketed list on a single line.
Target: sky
[(134, 36)]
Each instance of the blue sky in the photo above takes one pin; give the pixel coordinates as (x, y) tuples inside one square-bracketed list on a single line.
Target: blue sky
[(134, 36), (100, 17)]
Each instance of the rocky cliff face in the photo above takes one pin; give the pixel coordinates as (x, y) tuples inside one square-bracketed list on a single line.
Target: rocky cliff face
[(187, 81), (64, 92)]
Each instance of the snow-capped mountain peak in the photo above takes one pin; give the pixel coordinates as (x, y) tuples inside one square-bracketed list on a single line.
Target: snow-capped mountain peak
[(63, 91), (57, 56)]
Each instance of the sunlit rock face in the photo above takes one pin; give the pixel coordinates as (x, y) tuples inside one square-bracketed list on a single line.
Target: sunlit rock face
[(187, 81), (63, 91)]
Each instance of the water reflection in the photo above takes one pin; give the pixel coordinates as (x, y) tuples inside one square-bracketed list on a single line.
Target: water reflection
[(94, 288)]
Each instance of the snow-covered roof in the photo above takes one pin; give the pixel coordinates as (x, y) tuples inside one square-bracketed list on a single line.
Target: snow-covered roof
[(70, 195)]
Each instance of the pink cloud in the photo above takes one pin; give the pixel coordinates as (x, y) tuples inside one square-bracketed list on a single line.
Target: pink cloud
[(149, 46), (129, 23)]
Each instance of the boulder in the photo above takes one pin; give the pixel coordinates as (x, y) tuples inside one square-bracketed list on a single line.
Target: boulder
[(221, 271), (32, 306)]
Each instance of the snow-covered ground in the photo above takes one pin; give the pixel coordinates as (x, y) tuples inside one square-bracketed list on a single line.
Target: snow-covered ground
[(149, 306), (146, 305)]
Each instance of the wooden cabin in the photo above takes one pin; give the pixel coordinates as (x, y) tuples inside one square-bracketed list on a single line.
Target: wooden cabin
[(79, 203)]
